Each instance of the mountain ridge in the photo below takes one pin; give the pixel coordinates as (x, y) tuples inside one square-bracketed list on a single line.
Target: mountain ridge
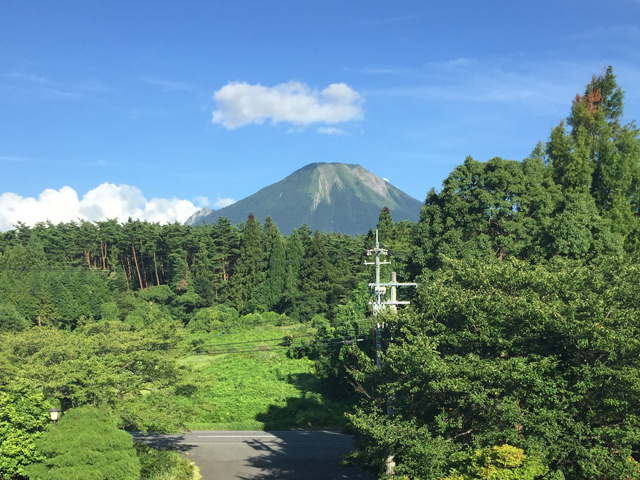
[(330, 197)]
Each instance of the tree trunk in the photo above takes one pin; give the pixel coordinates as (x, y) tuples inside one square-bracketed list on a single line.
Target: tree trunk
[(125, 272), (135, 259), (103, 251), (128, 268), (144, 270), (155, 266)]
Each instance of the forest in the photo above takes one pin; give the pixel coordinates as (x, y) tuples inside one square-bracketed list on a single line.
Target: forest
[(518, 358)]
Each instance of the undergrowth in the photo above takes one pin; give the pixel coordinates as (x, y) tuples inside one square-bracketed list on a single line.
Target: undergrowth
[(259, 389)]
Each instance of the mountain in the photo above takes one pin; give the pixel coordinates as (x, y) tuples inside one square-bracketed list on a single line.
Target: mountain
[(331, 197)]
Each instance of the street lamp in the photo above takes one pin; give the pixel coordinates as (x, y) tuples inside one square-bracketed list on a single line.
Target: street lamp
[(54, 413)]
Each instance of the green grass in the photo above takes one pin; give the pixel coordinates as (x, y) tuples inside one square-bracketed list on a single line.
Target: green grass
[(259, 390)]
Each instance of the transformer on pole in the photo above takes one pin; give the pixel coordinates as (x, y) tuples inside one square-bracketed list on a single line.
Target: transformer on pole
[(379, 288), (378, 305)]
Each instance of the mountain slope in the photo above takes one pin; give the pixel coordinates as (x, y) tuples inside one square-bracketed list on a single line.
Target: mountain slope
[(330, 197)]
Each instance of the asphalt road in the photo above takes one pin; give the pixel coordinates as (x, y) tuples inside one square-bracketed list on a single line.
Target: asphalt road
[(282, 455)]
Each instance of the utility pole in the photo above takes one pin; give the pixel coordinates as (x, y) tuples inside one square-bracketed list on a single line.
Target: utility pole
[(380, 292), (380, 304)]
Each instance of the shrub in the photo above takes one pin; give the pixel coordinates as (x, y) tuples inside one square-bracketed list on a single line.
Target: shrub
[(162, 464), (214, 319), (23, 419), (86, 445)]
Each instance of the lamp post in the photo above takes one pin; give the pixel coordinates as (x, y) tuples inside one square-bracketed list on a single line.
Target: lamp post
[(54, 413)]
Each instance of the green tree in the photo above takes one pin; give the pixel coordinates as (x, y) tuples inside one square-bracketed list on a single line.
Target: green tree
[(316, 275), (10, 319), (601, 155), (250, 267), (295, 256), (490, 211), (386, 233), (86, 444), (500, 463), (277, 271), (23, 419), (106, 363), (542, 357)]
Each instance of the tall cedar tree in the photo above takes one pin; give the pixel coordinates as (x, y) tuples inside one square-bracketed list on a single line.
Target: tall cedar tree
[(316, 277), (250, 266), (277, 272), (386, 237), (600, 155), (295, 256), (385, 227)]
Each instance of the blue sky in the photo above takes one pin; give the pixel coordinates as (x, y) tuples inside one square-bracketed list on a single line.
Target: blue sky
[(152, 109)]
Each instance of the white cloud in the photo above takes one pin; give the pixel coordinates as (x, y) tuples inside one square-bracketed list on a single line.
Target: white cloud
[(331, 131), (103, 202), (223, 202), (242, 104)]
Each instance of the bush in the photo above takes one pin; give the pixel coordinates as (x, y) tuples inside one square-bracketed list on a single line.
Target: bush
[(162, 464), (500, 463), (23, 419), (161, 294), (110, 311), (86, 445), (214, 319)]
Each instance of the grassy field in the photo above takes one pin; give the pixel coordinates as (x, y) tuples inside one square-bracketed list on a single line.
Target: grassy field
[(257, 389)]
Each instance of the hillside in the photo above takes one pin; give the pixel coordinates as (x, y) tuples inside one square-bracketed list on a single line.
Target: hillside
[(331, 197)]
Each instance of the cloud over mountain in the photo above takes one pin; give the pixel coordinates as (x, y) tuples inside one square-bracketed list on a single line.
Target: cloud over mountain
[(242, 104), (105, 201)]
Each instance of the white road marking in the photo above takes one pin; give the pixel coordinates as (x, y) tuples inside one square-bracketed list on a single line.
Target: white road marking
[(288, 443), (237, 436)]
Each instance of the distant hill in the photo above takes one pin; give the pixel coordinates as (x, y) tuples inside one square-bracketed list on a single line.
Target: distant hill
[(331, 197)]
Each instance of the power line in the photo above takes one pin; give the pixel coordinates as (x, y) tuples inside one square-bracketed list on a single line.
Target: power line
[(317, 342), (279, 338), (305, 324), (332, 343)]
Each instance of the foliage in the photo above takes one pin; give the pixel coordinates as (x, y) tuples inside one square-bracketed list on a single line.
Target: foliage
[(523, 331), (256, 386), (162, 464), (545, 358), (103, 363), (10, 319), (488, 211), (86, 444), (23, 419), (67, 274), (599, 155), (500, 463)]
